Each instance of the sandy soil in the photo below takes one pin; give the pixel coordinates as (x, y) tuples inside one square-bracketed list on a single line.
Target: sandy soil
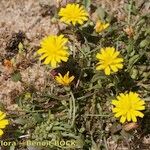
[(27, 17)]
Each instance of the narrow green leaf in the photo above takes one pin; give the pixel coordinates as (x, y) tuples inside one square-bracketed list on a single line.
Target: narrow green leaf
[(87, 3), (133, 60), (144, 43), (16, 77)]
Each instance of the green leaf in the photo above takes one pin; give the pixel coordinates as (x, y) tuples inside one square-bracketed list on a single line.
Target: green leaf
[(134, 73), (144, 43), (20, 121), (101, 13), (20, 46), (130, 47), (96, 77), (38, 117), (16, 77), (133, 60), (2, 107), (87, 3), (147, 32)]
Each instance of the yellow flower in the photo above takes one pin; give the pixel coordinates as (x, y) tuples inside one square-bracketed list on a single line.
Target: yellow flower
[(73, 13), (128, 107), (109, 60), (100, 26), (3, 122), (53, 50), (64, 80)]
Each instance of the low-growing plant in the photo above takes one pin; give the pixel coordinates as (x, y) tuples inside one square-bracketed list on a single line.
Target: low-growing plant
[(98, 82)]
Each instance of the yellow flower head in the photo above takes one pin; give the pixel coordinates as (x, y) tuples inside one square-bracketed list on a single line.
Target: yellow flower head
[(73, 13), (64, 80), (53, 50), (100, 26), (128, 107), (109, 60), (3, 122)]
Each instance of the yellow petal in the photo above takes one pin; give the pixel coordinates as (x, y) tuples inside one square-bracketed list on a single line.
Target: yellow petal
[(53, 63), (99, 56), (141, 102), (110, 50), (128, 116), (107, 71), (138, 113), (40, 51), (115, 110), (115, 102), (3, 123), (2, 115), (43, 56), (118, 114), (71, 78), (133, 117), (80, 22), (116, 54), (100, 67), (64, 59), (118, 60), (122, 119), (74, 23), (114, 68), (106, 25), (140, 108), (1, 132), (120, 66), (47, 60)]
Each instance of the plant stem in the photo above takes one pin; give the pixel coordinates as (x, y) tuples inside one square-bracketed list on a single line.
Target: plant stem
[(74, 41), (106, 146), (129, 13), (74, 109), (70, 111)]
